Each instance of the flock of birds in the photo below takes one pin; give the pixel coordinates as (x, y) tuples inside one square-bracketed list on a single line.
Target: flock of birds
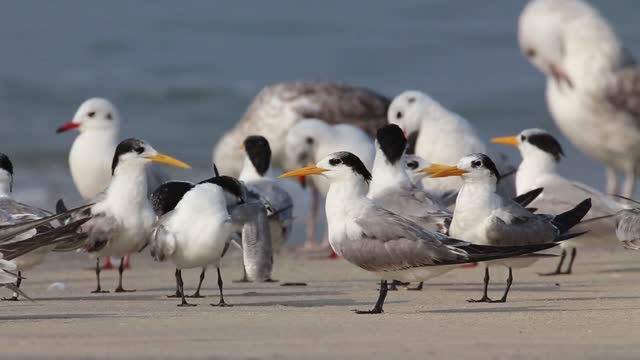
[(411, 190)]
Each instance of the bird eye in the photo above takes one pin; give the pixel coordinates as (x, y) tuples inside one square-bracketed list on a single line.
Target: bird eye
[(138, 149), (476, 163), (109, 116), (411, 100), (412, 165), (530, 53), (309, 140), (523, 138), (335, 162), (399, 115), (91, 114)]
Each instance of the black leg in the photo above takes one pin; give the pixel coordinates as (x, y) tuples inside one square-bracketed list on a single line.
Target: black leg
[(245, 278), (221, 303), (177, 294), (558, 271), (377, 309), (15, 294), (485, 297), (181, 286), (120, 289), (417, 288), (506, 291), (197, 293), (98, 289), (574, 251)]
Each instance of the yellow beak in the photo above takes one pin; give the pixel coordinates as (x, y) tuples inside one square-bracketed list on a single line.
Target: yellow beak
[(449, 171), (166, 159), (242, 147), (434, 168), (507, 140), (307, 170)]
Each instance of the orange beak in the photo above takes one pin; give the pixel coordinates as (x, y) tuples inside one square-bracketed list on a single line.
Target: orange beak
[(66, 127), (506, 140), (450, 171), (307, 170)]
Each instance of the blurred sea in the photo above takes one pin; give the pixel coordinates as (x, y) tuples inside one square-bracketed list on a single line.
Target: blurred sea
[(183, 72)]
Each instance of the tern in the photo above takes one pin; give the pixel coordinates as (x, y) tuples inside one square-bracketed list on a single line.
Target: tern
[(484, 217), (381, 242)]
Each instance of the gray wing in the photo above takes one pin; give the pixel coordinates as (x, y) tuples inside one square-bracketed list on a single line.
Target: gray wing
[(625, 94), (416, 206), (628, 228), (277, 200), (513, 225), (100, 230), (162, 242)]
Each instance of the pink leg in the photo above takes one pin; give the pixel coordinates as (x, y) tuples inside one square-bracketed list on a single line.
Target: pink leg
[(310, 243)]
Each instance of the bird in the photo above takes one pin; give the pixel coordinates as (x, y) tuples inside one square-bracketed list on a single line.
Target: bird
[(541, 153), (277, 201), (98, 122), (484, 217), (443, 137), (280, 106), (384, 243), (122, 216), (628, 227), (310, 140), (167, 196), (592, 83)]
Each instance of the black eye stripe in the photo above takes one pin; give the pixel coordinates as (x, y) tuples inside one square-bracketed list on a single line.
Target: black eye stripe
[(335, 162), (91, 114), (139, 149), (109, 116), (399, 115), (412, 164)]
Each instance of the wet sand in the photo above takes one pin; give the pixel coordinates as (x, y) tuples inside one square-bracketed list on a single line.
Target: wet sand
[(593, 314)]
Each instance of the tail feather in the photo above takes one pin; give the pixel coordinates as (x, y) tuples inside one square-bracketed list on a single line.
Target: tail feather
[(565, 221), (527, 198)]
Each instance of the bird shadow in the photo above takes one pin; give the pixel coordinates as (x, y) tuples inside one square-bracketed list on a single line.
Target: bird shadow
[(314, 303), (51, 316), (588, 298), (620, 270), (108, 297), (516, 309)]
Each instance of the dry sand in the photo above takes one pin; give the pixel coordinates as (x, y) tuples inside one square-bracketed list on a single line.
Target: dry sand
[(593, 314)]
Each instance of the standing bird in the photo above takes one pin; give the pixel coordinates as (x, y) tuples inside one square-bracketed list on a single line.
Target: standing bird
[(122, 216), (98, 122), (279, 107), (484, 217), (628, 228), (278, 202), (309, 141), (443, 137), (382, 242), (593, 83), (541, 153)]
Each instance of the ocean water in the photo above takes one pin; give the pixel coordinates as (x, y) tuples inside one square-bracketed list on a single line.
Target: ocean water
[(181, 73)]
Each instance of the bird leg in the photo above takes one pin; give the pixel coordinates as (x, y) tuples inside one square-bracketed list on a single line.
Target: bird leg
[(485, 297), (245, 278), (181, 286), (558, 271), (506, 291), (310, 242), (377, 309), (629, 183), (177, 294), (120, 289), (612, 181), (98, 289), (417, 288), (15, 294), (574, 251), (221, 303), (197, 293)]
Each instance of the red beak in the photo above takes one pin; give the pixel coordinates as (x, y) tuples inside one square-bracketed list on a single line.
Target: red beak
[(303, 181), (66, 127)]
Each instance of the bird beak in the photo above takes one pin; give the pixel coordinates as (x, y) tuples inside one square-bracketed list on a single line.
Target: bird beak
[(307, 170), (450, 171), (242, 147), (166, 159), (506, 140), (66, 127), (560, 75), (434, 169)]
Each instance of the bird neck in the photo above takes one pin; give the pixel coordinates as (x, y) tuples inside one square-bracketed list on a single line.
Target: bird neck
[(386, 175), (343, 197), (249, 172), (531, 168), (128, 187), (477, 194), (6, 180)]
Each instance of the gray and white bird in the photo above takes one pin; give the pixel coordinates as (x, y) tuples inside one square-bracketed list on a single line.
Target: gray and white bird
[(628, 227), (255, 174), (484, 217), (593, 83), (381, 242), (277, 108), (541, 153), (122, 217)]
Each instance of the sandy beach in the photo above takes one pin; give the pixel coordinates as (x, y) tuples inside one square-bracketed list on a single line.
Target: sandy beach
[(593, 314)]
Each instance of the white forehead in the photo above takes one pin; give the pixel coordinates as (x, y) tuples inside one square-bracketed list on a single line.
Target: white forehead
[(541, 19), (308, 127), (96, 104)]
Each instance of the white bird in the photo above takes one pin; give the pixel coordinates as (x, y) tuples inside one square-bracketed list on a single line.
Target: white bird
[(382, 242), (443, 137), (310, 140), (255, 174), (277, 108), (484, 217), (541, 153), (628, 227), (593, 82), (122, 216)]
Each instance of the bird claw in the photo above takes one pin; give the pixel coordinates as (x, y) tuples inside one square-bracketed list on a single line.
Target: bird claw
[(372, 311), (13, 298), (195, 296), (484, 299), (99, 291), (187, 305), (222, 304), (122, 290)]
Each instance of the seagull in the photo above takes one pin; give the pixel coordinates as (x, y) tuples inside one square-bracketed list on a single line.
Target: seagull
[(90, 157), (484, 217), (310, 140), (164, 201), (381, 242), (541, 153), (443, 137), (628, 227), (278, 202), (592, 86), (122, 216), (277, 108)]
